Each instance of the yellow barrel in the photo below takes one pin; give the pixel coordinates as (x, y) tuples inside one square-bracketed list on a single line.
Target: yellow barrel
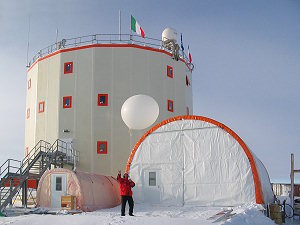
[(275, 213)]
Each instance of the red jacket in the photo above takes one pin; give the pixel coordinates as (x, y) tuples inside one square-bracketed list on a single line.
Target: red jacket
[(125, 186)]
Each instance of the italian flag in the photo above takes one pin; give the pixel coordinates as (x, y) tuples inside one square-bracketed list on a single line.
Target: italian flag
[(136, 27)]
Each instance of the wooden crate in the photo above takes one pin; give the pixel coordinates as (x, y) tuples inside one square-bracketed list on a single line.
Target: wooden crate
[(68, 202)]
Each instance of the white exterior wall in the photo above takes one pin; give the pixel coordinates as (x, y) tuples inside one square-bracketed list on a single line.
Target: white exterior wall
[(120, 72)]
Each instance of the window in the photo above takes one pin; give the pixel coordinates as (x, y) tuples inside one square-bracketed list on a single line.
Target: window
[(67, 102), (152, 178), (102, 99), (101, 147), (28, 113), (68, 67), (187, 81), (187, 111), (170, 106), (170, 71), (29, 84), (58, 184), (41, 107)]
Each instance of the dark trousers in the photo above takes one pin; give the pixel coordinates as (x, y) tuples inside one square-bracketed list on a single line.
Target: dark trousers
[(124, 199)]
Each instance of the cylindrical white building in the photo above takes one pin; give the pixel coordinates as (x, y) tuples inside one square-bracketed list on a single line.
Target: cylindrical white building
[(76, 94)]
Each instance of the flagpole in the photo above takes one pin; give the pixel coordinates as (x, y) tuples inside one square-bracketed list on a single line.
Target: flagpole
[(119, 25)]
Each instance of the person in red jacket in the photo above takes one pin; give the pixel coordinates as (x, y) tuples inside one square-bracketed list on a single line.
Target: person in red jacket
[(126, 193)]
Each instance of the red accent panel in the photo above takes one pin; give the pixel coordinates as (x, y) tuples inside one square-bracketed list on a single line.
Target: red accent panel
[(187, 81), (26, 151), (68, 67), (29, 84), (170, 71), (102, 102), (28, 113), (32, 183), (67, 102), (170, 106), (257, 184), (105, 46), (15, 181), (101, 147), (41, 107)]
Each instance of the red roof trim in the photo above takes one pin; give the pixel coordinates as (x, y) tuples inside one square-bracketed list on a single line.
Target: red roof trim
[(104, 46), (257, 184)]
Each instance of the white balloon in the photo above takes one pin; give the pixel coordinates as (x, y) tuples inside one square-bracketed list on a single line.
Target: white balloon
[(139, 112)]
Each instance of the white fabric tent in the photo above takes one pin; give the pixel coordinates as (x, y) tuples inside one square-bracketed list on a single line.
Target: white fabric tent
[(196, 160)]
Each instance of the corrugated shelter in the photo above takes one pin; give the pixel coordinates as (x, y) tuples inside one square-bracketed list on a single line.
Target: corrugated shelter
[(92, 191), (194, 159)]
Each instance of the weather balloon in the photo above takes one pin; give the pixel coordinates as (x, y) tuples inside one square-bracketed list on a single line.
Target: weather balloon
[(139, 112)]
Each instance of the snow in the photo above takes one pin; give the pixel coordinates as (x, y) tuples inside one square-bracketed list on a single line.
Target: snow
[(148, 214)]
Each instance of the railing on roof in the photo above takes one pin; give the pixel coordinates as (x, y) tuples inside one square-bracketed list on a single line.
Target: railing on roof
[(105, 39)]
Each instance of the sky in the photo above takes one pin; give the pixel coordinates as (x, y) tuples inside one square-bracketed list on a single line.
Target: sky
[(246, 56)]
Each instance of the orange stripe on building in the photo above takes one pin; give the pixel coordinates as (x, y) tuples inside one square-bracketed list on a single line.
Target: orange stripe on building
[(257, 183), (104, 46)]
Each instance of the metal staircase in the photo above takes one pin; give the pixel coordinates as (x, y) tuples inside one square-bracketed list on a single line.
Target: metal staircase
[(14, 174)]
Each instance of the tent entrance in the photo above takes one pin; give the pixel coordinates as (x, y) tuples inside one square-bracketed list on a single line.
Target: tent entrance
[(152, 186), (58, 188)]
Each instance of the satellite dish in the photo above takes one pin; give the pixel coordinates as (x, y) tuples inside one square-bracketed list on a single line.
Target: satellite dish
[(139, 112)]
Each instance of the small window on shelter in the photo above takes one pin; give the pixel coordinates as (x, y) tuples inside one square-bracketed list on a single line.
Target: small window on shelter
[(102, 99), (41, 107), (68, 67), (170, 106), (152, 178), (58, 183), (101, 147), (67, 102), (170, 71)]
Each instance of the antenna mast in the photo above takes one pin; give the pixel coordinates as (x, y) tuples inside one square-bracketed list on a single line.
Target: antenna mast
[(27, 64)]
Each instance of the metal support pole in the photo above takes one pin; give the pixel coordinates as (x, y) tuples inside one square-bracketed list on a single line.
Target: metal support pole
[(292, 181), (10, 190), (24, 194)]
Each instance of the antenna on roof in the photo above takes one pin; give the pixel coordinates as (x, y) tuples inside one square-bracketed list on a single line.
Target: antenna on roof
[(27, 63), (56, 38)]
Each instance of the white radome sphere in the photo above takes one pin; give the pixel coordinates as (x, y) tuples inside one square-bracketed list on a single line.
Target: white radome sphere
[(169, 34), (139, 112)]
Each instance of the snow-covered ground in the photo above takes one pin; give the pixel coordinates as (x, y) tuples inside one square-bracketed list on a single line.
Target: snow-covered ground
[(146, 214)]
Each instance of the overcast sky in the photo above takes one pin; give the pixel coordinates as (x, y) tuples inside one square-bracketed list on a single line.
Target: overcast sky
[(246, 56)]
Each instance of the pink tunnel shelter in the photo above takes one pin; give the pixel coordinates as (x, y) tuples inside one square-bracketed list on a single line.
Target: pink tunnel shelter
[(92, 191)]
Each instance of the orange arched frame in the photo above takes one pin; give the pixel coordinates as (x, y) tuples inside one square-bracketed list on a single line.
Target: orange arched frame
[(257, 183)]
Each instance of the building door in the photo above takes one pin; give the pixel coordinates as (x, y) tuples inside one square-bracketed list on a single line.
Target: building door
[(58, 188), (152, 188)]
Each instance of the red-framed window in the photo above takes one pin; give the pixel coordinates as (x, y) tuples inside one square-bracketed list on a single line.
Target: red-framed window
[(101, 147), (68, 67), (102, 99), (67, 102), (26, 151), (28, 113), (187, 81), (41, 107), (170, 71), (29, 84), (187, 110), (170, 106)]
